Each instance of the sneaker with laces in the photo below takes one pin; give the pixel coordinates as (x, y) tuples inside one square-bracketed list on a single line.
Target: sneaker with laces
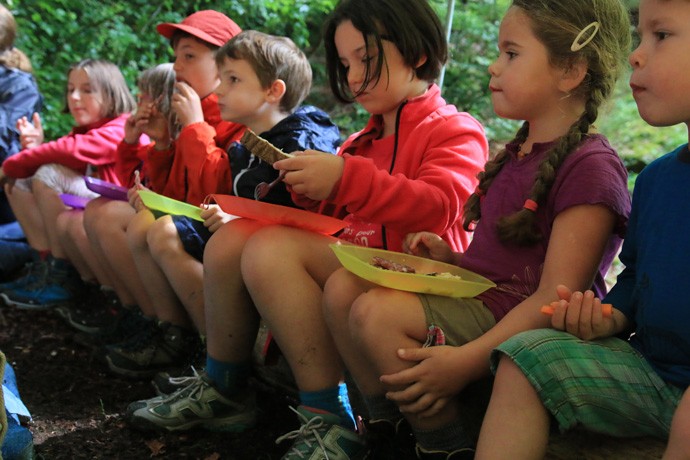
[(198, 404), (168, 347), (59, 284), (321, 436)]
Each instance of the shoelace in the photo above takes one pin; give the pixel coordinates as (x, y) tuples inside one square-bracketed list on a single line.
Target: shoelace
[(308, 430), (193, 390), (185, 380)]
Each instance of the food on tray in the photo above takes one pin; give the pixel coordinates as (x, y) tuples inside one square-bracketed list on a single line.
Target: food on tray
[(386, 264)]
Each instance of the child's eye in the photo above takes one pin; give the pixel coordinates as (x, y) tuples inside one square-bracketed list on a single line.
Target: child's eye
[(511, 54), (661, 35)]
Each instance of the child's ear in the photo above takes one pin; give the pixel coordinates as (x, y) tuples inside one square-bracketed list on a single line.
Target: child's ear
[(572, 76), (420, 62), (276, 91)]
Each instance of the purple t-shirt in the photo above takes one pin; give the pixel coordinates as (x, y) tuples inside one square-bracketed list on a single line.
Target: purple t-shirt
[(593, 174)]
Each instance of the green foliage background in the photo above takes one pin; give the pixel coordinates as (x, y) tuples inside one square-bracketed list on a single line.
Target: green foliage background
[(57, 33)]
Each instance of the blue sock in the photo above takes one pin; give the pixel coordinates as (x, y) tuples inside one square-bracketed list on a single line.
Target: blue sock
[(334, 400), (229, 378)]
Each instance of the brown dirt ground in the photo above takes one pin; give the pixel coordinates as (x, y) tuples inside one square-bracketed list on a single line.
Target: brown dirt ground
[(77, 407)]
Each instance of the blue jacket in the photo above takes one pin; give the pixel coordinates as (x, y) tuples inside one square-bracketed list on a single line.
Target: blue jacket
[(307, 128), (19, 97)]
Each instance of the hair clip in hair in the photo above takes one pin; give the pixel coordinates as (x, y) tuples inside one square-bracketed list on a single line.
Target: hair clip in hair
[(579, 42), (531, 205)]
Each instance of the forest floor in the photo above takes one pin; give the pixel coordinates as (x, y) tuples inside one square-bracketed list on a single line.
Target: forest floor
[(77, 407)]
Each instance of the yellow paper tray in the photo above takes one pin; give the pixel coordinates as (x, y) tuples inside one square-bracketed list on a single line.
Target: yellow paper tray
[(357, 259), (169, 206)]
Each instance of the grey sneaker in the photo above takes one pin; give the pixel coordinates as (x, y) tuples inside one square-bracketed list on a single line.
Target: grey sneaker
[(197, 404), (322, 437)]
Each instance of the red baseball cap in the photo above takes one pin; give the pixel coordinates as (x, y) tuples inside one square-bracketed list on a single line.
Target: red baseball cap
[(207, 25)]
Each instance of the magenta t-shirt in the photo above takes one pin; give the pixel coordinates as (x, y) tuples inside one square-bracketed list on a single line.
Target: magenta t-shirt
[(593, 174)]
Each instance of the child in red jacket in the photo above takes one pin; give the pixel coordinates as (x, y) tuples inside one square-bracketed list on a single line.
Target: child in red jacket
[(99, 100), (187, 169)]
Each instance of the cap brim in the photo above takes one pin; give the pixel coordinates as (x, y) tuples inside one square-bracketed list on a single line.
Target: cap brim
[(167, 29)]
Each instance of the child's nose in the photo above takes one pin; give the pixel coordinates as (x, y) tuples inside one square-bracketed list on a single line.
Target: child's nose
[(636, 58)]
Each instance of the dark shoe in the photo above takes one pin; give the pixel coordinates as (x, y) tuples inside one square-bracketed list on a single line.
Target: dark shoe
[(168, 348), (88, 296), (321, 436), (169, 381), (460, 454), (129, 323), (389, 440), (97, 313)]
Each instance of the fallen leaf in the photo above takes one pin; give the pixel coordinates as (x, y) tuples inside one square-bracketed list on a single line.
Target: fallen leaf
[(156, 447)]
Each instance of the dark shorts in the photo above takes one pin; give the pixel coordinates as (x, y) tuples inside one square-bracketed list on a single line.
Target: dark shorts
[(193, 234)]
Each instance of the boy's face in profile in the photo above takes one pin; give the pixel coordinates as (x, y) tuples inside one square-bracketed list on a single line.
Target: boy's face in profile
[(241, 98), (661, 63), (195, 65)]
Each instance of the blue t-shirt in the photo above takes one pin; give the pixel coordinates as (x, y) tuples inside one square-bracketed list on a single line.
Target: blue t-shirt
[(651, 291)]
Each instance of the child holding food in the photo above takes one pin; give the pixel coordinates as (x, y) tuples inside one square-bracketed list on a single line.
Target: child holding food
[(412, 166)]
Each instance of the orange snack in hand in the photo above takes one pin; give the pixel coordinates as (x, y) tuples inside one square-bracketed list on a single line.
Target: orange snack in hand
[(606, 309)]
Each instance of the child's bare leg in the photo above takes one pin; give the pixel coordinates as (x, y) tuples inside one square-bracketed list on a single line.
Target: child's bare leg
[(340, 292), (50, 204), (679, 440), (285, 270), (231, 319), (516, 424), (28, 215), (70, 229), (125, 263), (106, 225), (176, 272)]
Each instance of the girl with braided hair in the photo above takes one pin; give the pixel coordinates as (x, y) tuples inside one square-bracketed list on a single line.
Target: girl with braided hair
[(550, 209)]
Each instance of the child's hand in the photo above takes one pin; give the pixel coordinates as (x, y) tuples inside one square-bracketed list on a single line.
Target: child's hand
[(429, 245), (214, 217), (430, 384), (581, 315), (186, 104), (312, 173), (134, 198), (30, 133)]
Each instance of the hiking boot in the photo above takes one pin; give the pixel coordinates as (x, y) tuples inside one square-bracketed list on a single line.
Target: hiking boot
[(321, 436), (460, 454), (59, 284), (389, 440), (91, 293), (197, 404), (168, 347)]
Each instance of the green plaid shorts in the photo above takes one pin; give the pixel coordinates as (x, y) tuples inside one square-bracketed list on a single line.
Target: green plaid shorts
[(604, 385)]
